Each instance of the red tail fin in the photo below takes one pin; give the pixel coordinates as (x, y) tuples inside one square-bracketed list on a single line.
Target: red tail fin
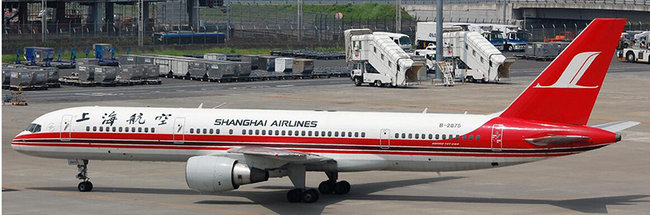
[(565, 92)]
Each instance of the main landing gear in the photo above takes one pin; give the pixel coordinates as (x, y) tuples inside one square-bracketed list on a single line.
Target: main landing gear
[(85, 185), (302, 194)]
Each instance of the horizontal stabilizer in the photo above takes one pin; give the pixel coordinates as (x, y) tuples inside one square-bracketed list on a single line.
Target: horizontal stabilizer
[(617, 126), (552, 140)]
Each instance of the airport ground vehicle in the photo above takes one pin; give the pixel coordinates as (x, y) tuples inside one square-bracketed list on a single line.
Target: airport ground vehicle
[(226, 148), (378, 60), (480, 60), (635, 54)]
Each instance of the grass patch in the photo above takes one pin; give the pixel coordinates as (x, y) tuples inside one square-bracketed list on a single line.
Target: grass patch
[(365, 11)]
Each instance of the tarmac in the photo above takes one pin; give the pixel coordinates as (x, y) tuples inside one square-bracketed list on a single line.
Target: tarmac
[(614, 179)]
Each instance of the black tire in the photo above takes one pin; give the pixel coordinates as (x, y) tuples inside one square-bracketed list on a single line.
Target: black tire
[(378, 83), (294, 195), (629, 57), (310, 196), (509, 48), (85, 186), (357, 81), (326, 187), (342, 187)]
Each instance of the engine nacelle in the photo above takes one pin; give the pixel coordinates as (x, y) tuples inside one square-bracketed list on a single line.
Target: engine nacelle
[(217, 174)]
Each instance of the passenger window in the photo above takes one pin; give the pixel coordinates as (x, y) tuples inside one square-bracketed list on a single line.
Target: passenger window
[(309, 133), (430, 136), (146, 129), (205, 131), (153, 130), (139, 129), (302, 133), (444, 136), (296, 133), (437, 136), (218, 131), (316, 133), (101, 128), (230, 131), (342, 133), (396, 135), (356, 134), (108, 129), (472, 137), (263, 132), (363, 134), (114, 129), (403, 135), (410, 136), (211, 131), (132, 129), (349, 134), (191, 130), (257, 132), (87, 128), (120, 129), (451, 136), (284, 132), (422, 136), (290, 132), (250, 132), (457, 137), (329, 133), (243, 131), (417, 136), (336, 133), (277, 132), (322, 133), (478, 137)]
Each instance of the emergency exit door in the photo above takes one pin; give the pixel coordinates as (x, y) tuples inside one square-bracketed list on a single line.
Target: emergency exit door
[(66, 128), (384, 138), (496, 139), (178, 132)]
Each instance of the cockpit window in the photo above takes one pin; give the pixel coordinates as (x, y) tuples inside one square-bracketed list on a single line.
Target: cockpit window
[(34, 128)]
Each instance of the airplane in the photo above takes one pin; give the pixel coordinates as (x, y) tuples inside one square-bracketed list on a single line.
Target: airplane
[(226, 148)]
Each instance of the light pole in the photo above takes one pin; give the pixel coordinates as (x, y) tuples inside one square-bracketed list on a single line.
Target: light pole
[(140, 23), (398, 16), (43, 19), (439, 32), (299, 20)]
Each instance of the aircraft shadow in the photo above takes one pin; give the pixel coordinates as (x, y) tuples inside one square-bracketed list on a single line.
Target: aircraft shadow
[(273, 197)]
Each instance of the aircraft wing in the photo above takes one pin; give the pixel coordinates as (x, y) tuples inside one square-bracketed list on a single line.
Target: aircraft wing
[(269, 158), (551, 140), (617, 126)]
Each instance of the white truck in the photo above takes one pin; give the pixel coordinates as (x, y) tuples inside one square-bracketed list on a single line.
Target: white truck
[(472, 54), (635, 54), (378, 60)]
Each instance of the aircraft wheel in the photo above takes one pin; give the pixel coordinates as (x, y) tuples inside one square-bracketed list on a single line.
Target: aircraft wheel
[(310, 196), (294, 195), (326, 187), (342, 187), (85, 186)]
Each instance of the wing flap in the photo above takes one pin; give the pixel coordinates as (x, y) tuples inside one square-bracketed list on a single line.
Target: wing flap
[(269, 158)]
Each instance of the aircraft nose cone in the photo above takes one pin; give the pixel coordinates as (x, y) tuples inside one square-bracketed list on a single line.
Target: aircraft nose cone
[(618, 137)]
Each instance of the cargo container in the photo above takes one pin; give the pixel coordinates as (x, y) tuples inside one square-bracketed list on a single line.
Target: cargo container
[(215, 56), (28, 79), (283, 64), (267, 63), (127, 59), (86, 74), (150, 72), (52, 76), (303, 66), (242, 70), (38, 55), (105, 75), (130, 74), (252, 59)]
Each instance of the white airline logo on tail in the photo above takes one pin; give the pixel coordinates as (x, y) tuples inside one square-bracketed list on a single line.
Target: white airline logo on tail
[(574, 71)]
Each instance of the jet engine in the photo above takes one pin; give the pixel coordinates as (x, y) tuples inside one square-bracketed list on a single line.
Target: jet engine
[(217, 174)]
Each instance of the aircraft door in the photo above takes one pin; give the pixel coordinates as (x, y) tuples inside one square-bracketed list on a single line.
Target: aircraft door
[(178, 132), (66, 128), (496, 138), (384, 138)]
